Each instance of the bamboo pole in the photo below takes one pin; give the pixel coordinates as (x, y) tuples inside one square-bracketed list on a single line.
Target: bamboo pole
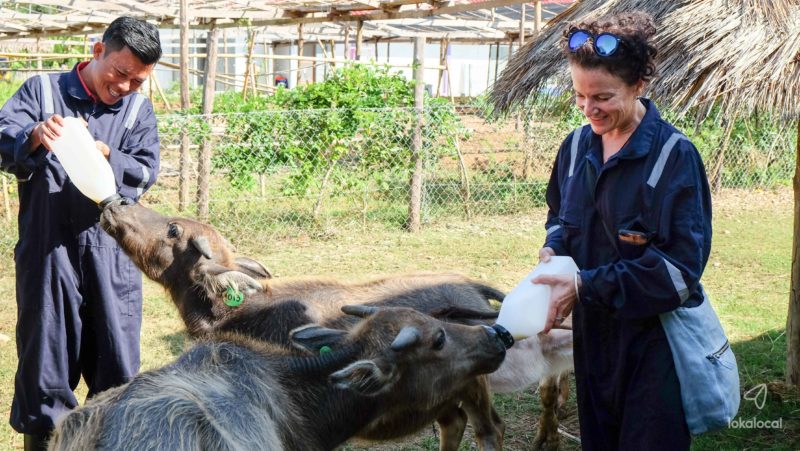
[(415, 198), (537, 15), (249, 64), (521, 25), (161, 92), (204, 159), (449, 76), (183, 196)]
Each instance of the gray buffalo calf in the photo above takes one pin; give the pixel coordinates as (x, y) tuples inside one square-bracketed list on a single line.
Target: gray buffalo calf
[(199, 269), (236, 393)]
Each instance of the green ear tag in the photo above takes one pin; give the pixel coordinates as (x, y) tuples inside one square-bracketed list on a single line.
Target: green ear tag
[(324, 350), (233, 297)]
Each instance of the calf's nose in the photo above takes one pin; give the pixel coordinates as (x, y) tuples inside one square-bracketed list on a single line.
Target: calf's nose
[(500, 333)]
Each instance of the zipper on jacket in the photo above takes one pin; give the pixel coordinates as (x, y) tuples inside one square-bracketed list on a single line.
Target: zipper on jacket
[(714, 356)]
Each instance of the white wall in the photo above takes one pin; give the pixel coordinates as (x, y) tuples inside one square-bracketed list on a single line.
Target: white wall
[(472, 66)]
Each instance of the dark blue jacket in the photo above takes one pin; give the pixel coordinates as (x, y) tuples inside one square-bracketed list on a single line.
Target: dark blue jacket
[(656, 187), (48, 199)]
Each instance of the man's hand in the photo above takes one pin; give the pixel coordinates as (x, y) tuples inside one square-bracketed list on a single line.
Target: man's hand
[(103, 148), (545, 253), (44, 133)]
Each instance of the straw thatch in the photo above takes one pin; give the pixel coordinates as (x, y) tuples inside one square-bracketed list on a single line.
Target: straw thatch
[(742, 55)]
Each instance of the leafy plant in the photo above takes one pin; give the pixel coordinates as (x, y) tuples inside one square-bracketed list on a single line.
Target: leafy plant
[(352, 130)]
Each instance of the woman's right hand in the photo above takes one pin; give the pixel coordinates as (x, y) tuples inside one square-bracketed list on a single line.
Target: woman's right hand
[(545, 253)]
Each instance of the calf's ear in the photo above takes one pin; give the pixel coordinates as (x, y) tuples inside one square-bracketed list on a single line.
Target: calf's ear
[(312, 338), (202, 245), (252, 268), (216, 279), (364, 377)]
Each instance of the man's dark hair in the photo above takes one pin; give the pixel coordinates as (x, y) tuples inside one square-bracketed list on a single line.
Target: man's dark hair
[(139, 36)]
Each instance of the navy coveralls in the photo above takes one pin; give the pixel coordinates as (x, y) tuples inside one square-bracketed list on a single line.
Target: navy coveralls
[(79, 297), (627, 388)]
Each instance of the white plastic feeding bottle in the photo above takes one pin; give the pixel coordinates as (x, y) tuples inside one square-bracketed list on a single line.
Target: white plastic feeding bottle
[(84, 164), (524, 309)]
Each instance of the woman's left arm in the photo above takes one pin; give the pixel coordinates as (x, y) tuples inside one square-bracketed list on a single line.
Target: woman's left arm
[(668, 272)]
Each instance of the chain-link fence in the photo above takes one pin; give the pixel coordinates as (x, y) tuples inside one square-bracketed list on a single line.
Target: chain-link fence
[(284, 173)]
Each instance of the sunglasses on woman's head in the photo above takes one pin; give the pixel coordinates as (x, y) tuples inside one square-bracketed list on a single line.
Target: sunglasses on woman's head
[(605, 44)]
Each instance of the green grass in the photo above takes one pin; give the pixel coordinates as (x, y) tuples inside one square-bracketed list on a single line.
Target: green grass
[(747, 278)]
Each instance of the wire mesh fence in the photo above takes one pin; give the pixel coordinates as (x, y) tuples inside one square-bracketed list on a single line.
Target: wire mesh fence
[(321, 172)]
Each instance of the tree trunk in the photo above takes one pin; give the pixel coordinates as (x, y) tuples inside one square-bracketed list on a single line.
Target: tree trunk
[(415, 198), (204, 160), (793, 319)]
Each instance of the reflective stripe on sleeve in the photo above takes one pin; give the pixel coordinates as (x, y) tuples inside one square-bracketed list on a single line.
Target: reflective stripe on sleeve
[(553, 229), (658, 169), (47, 94), (143, 183), (137, 103), (677, 281)]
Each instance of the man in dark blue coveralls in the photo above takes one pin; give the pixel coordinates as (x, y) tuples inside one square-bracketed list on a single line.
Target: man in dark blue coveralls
[(79, 298)]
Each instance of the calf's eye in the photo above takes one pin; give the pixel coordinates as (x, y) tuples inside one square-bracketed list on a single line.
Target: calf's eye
[(173, 231), (440, 340)]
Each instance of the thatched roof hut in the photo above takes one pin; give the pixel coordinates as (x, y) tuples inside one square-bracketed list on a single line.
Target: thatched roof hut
[(743, 55)]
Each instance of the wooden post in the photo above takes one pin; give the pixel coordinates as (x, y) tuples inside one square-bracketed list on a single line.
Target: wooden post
[(496, 60), (301, 42), (521, 25), (347, 42), (271, 66), (377, 41), (537, 14), (249, 65), (266, 62), (415, 198), (183, 196), (442, 53), (716, 172), (332, 43), (204, 159), (793, 318), (39, 66), (359, 38)]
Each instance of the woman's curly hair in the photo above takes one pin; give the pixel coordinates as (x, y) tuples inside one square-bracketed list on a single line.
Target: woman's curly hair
[(634, 60)]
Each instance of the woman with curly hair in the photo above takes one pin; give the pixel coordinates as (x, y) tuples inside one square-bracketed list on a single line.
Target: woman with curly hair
[(629, 200)]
